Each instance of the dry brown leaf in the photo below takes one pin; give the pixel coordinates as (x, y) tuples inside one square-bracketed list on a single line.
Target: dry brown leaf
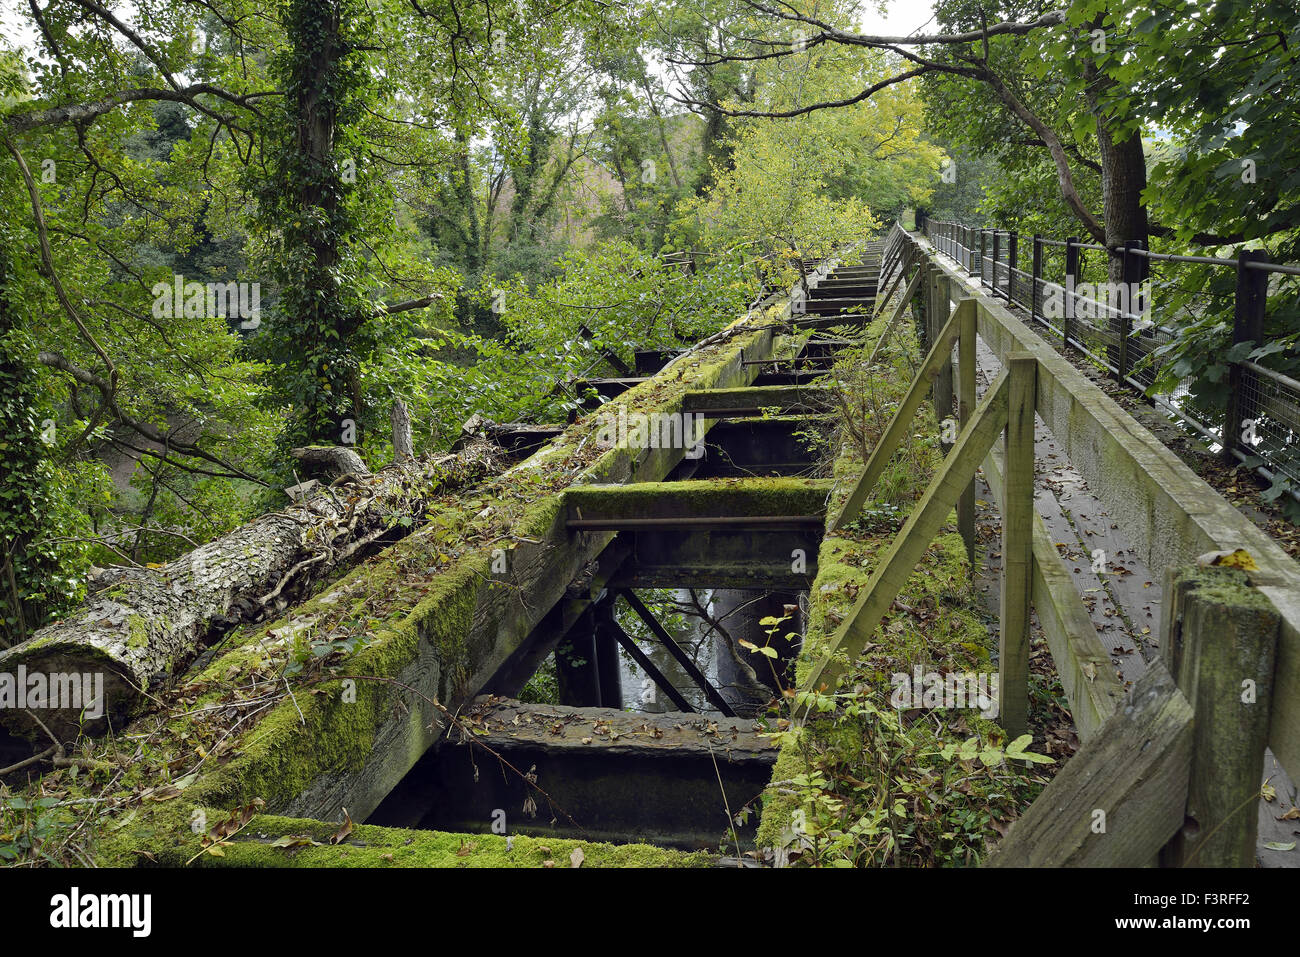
[(344, 829)]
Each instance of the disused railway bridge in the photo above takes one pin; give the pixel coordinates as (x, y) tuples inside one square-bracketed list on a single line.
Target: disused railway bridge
[(1165, 753)]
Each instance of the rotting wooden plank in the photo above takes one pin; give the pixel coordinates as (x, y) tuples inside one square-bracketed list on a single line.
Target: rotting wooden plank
[(899, 424), (917, 533), (1170, 512), (667, 735), (941, 393), (1121, 797)]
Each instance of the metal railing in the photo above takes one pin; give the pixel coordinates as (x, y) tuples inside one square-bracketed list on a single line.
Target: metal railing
[(1068, 293)]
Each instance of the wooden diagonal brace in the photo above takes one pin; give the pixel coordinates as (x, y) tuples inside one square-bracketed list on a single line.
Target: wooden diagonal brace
[(902, 420), (972, 445)]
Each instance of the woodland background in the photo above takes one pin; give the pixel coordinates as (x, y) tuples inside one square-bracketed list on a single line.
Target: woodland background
[(463, 204)]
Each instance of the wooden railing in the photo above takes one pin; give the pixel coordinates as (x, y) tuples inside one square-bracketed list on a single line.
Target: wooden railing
[(1169, 767)]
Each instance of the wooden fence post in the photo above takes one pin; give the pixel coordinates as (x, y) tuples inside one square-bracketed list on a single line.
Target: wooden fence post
[(942, 393), (1220, 643), (1017, 545), (967, 319)]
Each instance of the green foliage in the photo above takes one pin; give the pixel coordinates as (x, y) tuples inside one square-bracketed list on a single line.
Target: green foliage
[(27, 826), (319, 339), (877, 790), (807, 185), (39, 574), (622, 297)]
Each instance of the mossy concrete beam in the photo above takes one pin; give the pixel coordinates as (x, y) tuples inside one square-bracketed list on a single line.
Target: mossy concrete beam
[(277, 841), (758, 399), (702, 498)]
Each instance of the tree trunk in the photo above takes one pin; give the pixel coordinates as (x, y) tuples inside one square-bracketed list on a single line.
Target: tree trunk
[(148, 624), (1123, 178), (401, 418)]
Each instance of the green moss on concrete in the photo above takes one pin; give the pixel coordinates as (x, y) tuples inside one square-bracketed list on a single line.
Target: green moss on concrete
[(165, 834), (370, 846), (739, 496)]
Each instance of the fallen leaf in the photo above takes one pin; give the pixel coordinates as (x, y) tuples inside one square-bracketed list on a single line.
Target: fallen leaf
[(1279, 846), (344, 829), (295, 840), (576, 858)]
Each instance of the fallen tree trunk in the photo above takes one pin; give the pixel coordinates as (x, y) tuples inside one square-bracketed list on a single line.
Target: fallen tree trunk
[(94, 668)]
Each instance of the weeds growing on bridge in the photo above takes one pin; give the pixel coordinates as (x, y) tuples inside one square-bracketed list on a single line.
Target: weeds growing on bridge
[(860, 782)]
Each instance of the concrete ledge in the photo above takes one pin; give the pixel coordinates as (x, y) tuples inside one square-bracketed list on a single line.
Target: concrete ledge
[(1170, 513)]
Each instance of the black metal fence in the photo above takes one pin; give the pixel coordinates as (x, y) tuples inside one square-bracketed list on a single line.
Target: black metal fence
[(1100, 302)]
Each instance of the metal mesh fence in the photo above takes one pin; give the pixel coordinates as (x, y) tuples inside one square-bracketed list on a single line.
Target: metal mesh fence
[(1129, 328), (1269, 406)]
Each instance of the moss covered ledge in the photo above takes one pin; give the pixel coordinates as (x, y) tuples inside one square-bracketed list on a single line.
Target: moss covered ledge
[(164, 835)]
